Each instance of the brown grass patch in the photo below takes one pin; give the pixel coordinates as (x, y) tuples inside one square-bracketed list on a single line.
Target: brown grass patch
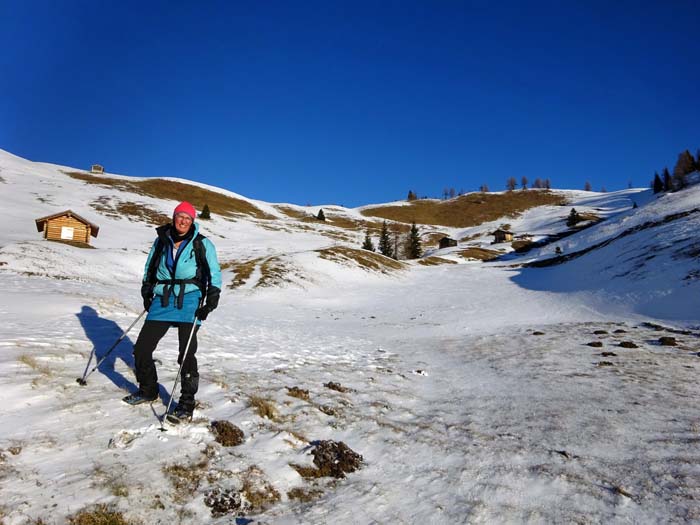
[(132, 210), (242, 271), (218, 203), (185, 479), (481, 254), (467, 210), (274, 272), (304, 495), (32, 363), (100, 515), (257, 490), (435, 261), (365, 259), (298, 214), (263, 407)]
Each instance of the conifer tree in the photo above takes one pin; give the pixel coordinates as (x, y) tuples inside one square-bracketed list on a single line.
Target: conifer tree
[(658, 184), (368, 244), (547, 184), (385, 241), (587, 186), (523, 182), (205, 214), (413, 247), (484, 188), (511, 183), (411, 196), (668, 183), (321, 216), (684, 165)]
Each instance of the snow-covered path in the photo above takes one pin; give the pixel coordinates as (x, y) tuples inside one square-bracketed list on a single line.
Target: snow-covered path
[(463, 413)]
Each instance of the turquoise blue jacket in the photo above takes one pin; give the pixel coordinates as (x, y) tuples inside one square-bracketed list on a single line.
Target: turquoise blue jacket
[(181, 265)]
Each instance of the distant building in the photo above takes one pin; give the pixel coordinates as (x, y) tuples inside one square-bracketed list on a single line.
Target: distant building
[(501, 235), (96, 168), (67, 226), (446, 242)]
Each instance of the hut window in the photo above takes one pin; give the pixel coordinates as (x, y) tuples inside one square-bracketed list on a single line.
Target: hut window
[(66, 233)]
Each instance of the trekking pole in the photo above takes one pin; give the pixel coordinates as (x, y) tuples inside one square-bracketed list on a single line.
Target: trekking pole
[(179, 370), (81, 380)]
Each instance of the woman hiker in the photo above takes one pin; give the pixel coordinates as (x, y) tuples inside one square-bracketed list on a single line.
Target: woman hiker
[(182, 280)]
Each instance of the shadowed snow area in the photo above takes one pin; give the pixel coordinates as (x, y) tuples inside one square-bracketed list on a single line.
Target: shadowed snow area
[(474, 392)]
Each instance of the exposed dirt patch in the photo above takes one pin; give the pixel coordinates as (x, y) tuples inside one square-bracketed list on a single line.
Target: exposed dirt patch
[(336, 386), (242, 270), (226, 433), (185, 479), (467, 210), (223, 502), (595, 344), (600, 332), (605, 363), (667, 341), (304, 495), (628, 344), (332, 459), (297, 392)]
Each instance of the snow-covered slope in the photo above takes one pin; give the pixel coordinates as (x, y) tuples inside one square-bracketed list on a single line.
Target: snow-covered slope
[(470, 389)]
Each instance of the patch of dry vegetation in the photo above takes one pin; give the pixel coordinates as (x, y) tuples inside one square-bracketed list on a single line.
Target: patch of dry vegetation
[(219, 204), (100, 515), (226, 433), (304, 495), (257, 490), (32, 363), (263, 407), (481, 254), (134, 211), (365, 259), (185, 479), (299, 393), (274, 271), (242, 270), (435, 261), (467, 210)]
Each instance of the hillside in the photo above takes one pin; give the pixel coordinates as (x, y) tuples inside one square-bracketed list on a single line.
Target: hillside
[(479, 384)]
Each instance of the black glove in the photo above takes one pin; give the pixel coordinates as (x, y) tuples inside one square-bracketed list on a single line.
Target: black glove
[(147, 294), (212, 302)]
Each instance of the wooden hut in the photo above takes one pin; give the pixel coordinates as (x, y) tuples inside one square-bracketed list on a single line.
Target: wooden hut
[(96, 168), (501, 235), (67, 226), (446, 242)]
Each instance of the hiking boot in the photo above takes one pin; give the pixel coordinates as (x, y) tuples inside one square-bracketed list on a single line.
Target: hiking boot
[(180, 415), (137, 398)]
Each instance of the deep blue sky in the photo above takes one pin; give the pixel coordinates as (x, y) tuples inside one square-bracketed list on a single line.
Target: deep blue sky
[(353, 102)]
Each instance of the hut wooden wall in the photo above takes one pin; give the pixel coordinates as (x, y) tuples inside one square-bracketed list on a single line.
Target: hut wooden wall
[(81, 231)]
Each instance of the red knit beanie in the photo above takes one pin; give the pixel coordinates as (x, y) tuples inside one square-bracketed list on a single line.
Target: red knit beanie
[(185, 207)]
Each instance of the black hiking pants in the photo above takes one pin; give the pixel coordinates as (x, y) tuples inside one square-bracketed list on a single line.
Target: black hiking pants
[(146, 375)]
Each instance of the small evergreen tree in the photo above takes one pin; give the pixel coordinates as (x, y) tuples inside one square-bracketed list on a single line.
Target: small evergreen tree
[(658, 184), (484, 188), (684, 165), (321, 216), (523, 182), (511, 183), (547, 184), (697, 161), (368, 244), (385, 241), (413, 247), (205, 214), (573, 218), (668, 182), (587, 186), (411, 196)]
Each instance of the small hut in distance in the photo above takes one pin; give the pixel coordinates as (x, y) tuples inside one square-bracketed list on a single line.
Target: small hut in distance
[(96, 168), (447, 242), (67, 226), (501, 235)]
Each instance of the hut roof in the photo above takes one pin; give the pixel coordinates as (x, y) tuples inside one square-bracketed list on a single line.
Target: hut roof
[(94, 229)]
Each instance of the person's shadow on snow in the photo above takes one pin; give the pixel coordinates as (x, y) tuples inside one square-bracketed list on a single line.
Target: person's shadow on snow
[(103, 333)]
